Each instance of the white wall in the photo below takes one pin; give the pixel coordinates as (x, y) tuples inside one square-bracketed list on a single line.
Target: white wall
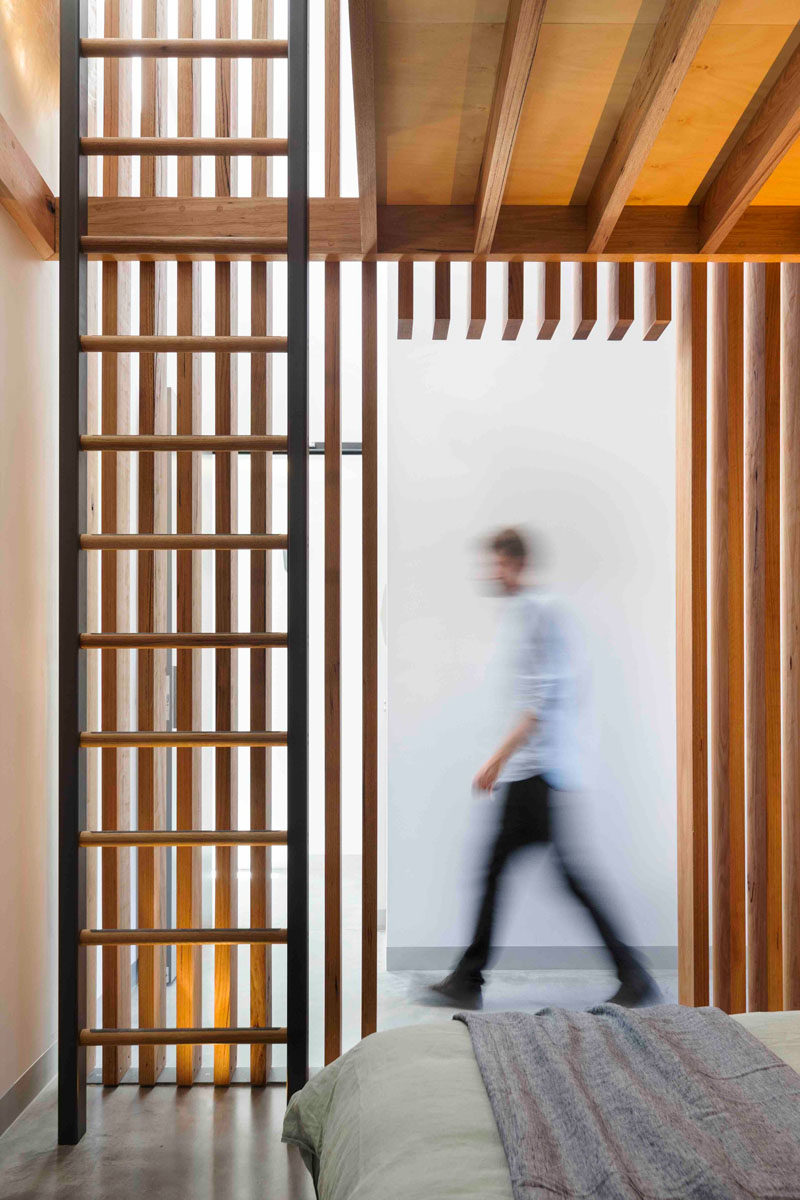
[(28, 562), (576, 439)]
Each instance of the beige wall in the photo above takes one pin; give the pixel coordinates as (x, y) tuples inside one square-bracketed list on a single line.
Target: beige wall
[(28, 562)]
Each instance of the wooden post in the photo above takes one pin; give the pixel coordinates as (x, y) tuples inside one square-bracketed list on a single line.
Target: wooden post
[(762, 634), (692, 748), (405, 299), (584, 309), (620, 300), (369, 492), (333, 569), (549, 313), (441, 301), (513, 299), (657, 300), (790, 597), (225, 892), (152, 576), (726, 567), (477, 300), (261, 577), (115, 579), (188, 674)]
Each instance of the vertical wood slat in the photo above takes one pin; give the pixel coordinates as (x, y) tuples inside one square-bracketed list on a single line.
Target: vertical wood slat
[(692, 745), (225, 897), (584, 308), (656, 300), (369, 486), (620, 300), (477, 300), (188, 674), (333, 569), (549, 313), (762, 634), (513, 299), (441, 301), (405, 299), (726, 628), (261, 578), (114, 794), (152, 577), (790, 601)]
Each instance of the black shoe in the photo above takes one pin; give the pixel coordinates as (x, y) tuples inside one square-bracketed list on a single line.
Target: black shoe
[(637, 990), (458, 992)]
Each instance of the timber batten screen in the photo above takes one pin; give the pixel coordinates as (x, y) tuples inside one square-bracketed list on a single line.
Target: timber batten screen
[(163, 441)]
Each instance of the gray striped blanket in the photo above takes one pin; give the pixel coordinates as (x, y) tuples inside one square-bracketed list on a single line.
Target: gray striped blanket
[(666, 1103)]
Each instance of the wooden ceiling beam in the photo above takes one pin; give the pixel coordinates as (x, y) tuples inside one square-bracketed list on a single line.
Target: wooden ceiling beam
[(762, 145), (429, 232), (520, 39), (681, 28), (25, 195), (363, 65)]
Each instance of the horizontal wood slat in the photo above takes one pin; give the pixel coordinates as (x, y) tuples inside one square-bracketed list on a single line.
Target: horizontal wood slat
[(148, 738), (183, 837), (183, 249), (426, 232), (162, 147), (189, 344), (183, 541), (195, 441), (182, 937), (184, 48), (183, 641), (181, 1037)]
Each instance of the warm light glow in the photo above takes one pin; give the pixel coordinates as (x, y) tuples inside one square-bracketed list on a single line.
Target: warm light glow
[(29, 31)]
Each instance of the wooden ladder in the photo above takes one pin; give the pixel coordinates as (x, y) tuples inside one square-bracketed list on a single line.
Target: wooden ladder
[(76, 543)]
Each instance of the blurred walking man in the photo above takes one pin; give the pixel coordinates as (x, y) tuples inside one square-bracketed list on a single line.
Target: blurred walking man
[(529, 766)]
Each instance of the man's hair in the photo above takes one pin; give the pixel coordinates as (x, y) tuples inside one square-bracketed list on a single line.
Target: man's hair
[(511, 543)]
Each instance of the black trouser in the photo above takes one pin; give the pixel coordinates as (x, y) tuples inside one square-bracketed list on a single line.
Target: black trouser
[(529, 818)]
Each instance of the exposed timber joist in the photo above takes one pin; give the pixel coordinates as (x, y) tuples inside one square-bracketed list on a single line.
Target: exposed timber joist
[(754, 157), (516, 60), (25, 195), (362, 54), (675, 42), (647, 233)]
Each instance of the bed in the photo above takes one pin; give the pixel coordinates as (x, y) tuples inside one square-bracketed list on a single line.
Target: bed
[(405, 1115)]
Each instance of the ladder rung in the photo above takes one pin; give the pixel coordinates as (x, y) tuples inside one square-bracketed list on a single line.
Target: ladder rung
[(166, 344), (182, 937), (121, 246), (267, 442), (183, 541), (183, 48), (125, 838), (143, 739), (216, 147), (183, 641), (182, 1037)]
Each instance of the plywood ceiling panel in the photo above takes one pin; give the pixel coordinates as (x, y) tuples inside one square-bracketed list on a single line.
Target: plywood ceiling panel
[(730, 66), (580, 82), (435, 73), (434, 83), (783, 186)]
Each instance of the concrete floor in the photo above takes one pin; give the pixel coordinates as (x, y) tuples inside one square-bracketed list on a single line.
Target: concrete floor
[(157, 1143)]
